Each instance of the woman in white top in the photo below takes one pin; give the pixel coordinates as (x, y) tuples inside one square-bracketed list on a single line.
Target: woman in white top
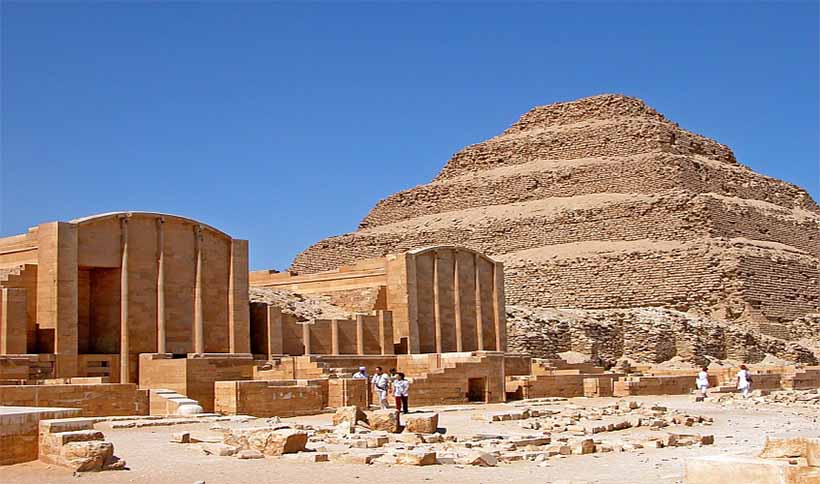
[(744, 381), (703, 381), (400, 391)]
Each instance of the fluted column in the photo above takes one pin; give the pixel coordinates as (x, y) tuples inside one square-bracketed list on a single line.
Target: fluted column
[(125, 374), (359, 334), (436, 303), (479, 319), (499, 322), (457, 301), (334, 336), (161, 285), (199, 329)]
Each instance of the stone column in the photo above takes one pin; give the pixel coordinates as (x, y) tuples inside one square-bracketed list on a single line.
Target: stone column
[(306, 337), (125, 373), (457, 301), (359, 334), (436, 303), (239, 326), (499, 318), (274, 317), (12, 321), (161, 285), (199, 325), (334, 336), (479, 319), (57, 292), (386, 332)]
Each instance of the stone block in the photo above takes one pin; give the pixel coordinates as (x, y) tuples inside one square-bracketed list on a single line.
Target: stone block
[(421, 424), (481, 459), (386, 420), (748, 470), (267, 440), (416, 458)]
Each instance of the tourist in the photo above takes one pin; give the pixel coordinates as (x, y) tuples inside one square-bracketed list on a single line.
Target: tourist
[(361, 374), (380, 383), (703, 381), (744, 380), (391, 374), (400, 391)]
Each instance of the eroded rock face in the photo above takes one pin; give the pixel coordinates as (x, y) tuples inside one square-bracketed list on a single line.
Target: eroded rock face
[(267, 440), (421, 424), (386, 420)]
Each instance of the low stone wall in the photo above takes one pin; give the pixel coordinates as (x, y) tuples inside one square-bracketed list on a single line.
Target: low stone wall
[(18, 431), (94, 400), (288, 398), (654, 385), (561, 385), (194, 377)]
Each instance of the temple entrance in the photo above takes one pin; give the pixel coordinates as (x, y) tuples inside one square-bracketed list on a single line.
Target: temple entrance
[(477, 389)]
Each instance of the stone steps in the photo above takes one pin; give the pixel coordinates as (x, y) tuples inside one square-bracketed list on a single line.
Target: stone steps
[(169, 402), (73, 443)]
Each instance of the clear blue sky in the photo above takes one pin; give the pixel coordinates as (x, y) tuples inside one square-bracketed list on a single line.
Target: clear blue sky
[(283, 123)]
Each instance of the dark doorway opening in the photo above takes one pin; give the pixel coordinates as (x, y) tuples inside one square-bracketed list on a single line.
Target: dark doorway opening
[(477, 389)]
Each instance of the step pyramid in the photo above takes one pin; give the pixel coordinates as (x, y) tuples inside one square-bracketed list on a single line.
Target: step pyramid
[(604, 203)]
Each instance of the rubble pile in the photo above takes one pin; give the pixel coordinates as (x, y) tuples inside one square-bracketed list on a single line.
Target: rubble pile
[(784, 398), (651, 335), (556, 429)]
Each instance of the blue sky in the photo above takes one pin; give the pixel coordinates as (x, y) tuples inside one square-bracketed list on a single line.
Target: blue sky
[(283, 123)]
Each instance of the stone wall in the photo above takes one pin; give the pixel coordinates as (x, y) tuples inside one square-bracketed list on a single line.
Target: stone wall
[(279, 398), (94, 400)]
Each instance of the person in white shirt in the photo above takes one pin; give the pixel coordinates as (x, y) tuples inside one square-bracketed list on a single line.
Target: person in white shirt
[(361, 374), (380, 383), (400, 391), (702, 381), (744, 381)]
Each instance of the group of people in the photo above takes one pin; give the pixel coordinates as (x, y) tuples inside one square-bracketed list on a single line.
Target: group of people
[(384, 383), (744, 380)]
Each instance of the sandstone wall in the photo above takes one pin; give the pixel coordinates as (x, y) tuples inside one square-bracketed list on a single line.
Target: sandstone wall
[(94, 400)]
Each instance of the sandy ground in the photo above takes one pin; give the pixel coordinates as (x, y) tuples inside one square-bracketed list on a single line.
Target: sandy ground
[(152, 459)]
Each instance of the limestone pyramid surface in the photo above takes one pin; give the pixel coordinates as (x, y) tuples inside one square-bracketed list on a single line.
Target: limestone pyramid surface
[(603, 203)]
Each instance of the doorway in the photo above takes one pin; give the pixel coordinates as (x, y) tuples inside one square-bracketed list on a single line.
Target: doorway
[(477, 389)]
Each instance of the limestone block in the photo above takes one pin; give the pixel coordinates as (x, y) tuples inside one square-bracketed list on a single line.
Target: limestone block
[(181, 437), (222, 450), (481, 459), (348, 415), (777, 447), (267, 440), (583, 446), (249, 454), (86, 456), (421, 424), (748, 470), (416, 458), (387, 420)]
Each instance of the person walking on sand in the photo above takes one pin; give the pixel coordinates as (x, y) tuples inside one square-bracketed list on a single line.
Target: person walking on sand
[(400, 390), (380, 383), (702, 381), (744, 381)]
